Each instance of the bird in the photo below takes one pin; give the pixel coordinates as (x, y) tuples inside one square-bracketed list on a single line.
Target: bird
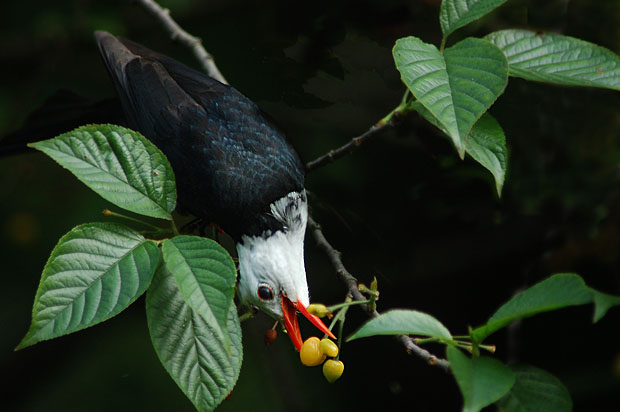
[(233, 166)]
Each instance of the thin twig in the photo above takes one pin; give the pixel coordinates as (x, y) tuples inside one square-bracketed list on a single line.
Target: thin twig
[(353, 144), (352, 285), (183, 37)]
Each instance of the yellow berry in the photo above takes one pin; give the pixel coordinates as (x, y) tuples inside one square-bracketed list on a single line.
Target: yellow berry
[(329, 348), (310, 353), (332, 370), (317, 309)]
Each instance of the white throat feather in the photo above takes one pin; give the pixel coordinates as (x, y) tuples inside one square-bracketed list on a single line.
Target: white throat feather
[(276, 259)]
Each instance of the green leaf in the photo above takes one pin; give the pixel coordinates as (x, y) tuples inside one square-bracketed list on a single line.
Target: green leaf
[(602, 303), (535, 390), (486, 144), (482, 380), (94, 272), (403, 322), (457, 87), (553, 58), (188, 347), (118, 164), (206, 275), (455, 14), (555, 292)]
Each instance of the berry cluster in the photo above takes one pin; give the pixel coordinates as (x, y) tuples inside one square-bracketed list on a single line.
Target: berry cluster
[(313, 353)]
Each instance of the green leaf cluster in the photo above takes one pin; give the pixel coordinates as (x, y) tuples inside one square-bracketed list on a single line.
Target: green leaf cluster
[(98, 269), (484, 380), (454, 87)]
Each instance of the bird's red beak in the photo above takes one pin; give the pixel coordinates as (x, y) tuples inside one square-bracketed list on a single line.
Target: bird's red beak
[(289, 312)]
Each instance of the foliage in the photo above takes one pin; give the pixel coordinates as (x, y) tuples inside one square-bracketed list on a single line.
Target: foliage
[(118, 164), (98, 269), (94, 273), (454, 87), (404, 322), (484, 380), (204, 365), (535, 390)]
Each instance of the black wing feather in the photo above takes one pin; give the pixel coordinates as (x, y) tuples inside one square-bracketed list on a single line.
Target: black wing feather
[(231, 163)]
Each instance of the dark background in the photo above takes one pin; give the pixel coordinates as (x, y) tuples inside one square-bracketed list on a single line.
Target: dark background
[(403, 207)]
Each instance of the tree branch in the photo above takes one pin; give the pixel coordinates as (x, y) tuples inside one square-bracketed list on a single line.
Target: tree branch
[(178, 34), (353, 144), (352, 285)]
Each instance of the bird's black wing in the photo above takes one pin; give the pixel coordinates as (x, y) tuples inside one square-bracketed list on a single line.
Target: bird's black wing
[(230, 162)]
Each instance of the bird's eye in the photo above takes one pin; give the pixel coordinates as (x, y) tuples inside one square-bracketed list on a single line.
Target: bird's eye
[(265, 293)]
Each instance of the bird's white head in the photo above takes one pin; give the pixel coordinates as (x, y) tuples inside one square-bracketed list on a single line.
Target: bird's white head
[(272, 274)]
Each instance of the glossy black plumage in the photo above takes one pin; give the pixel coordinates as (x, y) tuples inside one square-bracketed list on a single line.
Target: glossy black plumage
[(230, 162)]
